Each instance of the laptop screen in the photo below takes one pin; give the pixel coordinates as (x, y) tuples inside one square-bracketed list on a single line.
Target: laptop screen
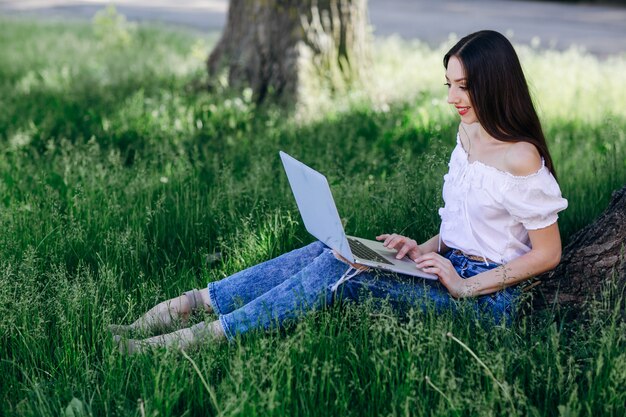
[(316, 205)]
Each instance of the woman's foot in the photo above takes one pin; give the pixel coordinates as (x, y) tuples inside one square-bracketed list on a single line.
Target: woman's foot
[(180, 339), (132, 330), (166, 315)]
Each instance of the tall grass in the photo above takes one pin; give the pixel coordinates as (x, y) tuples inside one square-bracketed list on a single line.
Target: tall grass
[(119, 184)]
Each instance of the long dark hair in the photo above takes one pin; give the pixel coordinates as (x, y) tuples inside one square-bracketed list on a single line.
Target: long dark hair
[(498, 90)]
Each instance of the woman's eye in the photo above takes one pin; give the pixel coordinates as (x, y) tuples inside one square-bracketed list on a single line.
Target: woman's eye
[(462, 87), (447, 85)]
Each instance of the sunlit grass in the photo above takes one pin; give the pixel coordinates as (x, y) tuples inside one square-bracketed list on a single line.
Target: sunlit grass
[(119, 184)]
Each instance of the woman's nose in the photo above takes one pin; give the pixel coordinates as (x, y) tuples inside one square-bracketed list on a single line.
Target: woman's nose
[(453, 97)]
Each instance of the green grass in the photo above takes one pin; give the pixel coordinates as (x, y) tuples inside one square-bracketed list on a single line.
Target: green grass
[(118, 182)]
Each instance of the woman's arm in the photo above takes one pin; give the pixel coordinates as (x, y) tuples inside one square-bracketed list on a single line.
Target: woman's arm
[(544, 256), (432, 245)]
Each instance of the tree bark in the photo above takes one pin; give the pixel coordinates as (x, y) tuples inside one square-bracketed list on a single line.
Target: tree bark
[(285, 49), (592, 262)]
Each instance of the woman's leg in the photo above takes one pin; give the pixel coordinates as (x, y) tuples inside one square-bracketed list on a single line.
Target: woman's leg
[(401, 291), (239, 288), (404, 291), (308, 289), (180, 339), (165, 315)]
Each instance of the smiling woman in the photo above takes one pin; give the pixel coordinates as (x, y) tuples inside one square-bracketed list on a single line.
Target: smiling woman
[(501, 194), (497, 94), (498, 224)]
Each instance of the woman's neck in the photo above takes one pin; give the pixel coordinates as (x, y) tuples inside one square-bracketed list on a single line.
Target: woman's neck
[(478, 135)]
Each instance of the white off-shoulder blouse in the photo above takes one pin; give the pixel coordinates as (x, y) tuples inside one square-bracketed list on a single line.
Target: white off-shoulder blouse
[(488, 212)]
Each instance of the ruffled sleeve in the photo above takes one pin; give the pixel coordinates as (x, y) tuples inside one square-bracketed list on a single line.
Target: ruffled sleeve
[(534, 200)]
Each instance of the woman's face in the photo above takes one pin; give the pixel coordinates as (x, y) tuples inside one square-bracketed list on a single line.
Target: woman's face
[(458, 95)]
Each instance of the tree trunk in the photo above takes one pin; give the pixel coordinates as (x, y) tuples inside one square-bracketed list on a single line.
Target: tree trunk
[(591, 262), (286, 49)]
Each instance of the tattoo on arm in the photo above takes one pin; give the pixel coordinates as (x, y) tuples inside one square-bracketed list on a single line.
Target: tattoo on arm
[(469, 291), (503, 271)]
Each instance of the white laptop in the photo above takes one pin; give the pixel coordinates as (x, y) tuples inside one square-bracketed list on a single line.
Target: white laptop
[(321, 219)]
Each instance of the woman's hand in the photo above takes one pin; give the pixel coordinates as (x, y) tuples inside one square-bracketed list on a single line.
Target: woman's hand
[(433, 263), (404, 245)]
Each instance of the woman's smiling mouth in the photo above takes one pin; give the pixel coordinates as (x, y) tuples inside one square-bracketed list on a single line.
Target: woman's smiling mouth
[(462, 110)]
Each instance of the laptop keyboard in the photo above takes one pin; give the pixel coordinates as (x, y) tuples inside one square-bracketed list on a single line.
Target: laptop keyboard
[(361, 251)]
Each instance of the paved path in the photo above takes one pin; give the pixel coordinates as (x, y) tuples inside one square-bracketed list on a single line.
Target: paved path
[(599, 29)]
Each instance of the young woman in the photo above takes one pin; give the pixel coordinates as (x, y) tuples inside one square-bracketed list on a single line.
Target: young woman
[(498, 224)]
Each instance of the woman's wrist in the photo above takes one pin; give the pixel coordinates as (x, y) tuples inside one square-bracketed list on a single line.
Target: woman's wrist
[(466, 289), (422, 248), (431, 245)]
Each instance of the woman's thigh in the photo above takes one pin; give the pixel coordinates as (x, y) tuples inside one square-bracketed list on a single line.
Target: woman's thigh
[(401, 291), (309, 289), (404, 292), (239, 289)]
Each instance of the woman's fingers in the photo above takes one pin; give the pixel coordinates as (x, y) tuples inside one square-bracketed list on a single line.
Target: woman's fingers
[(385, 237), (442, 267), (433, 270), (431, 261), (430, 256), (409, 246), (402, 252), (393, 241)]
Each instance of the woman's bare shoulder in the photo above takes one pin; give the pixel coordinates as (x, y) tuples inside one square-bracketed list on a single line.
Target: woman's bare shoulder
[(522, 159)]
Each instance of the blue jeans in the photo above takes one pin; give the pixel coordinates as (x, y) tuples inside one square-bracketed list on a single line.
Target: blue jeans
[(284, 288)]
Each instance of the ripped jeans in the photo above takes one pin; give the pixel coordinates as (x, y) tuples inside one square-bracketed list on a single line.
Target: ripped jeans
[(284, 288)]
